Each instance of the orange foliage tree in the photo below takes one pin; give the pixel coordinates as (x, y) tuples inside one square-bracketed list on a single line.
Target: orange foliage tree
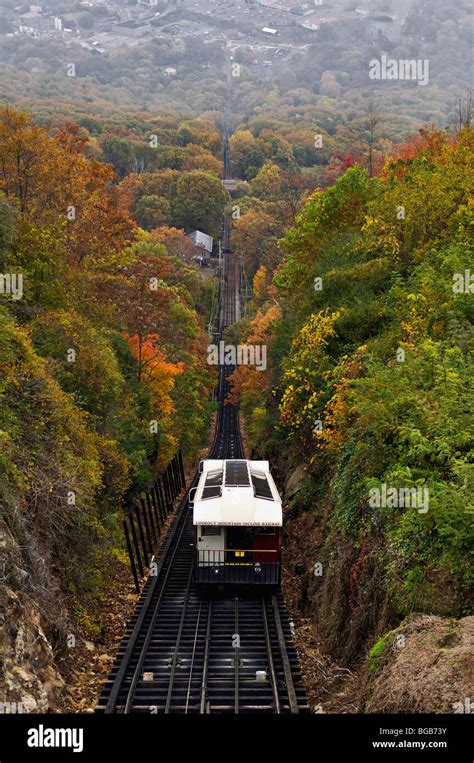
[(159, 375), (51, 181)]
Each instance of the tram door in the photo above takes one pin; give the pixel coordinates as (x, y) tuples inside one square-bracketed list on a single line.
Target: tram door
[(239, 540), (266, 545)]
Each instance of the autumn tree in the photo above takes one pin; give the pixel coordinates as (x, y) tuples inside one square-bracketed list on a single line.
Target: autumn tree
[(176, 242), (267, 183), (254, 238), (199, 202), (118, 152), (247, 155), (140, 295), (152, 211), (55, 185)]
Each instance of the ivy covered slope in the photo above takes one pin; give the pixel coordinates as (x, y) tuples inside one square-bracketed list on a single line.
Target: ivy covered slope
[(368, 323), (102, 367)]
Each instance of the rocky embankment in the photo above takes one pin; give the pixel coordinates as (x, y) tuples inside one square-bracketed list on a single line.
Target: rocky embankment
[(357, 654), (31, 682)]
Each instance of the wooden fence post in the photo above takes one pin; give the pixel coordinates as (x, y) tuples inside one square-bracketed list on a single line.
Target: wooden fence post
[(136, 544), (147, 524), (181, 469), (140, 530), (130, 556)]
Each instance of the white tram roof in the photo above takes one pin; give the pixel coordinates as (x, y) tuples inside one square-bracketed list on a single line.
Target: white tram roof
[(237, 492)]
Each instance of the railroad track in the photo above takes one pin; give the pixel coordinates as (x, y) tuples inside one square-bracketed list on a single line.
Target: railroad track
[(185, 653)]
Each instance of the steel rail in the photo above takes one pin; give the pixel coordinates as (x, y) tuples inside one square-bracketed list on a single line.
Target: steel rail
[(290, 686), (149, 633), (271, 663), (236, 655), (193, 655), (138, 627), (178, 643), (205, 669)]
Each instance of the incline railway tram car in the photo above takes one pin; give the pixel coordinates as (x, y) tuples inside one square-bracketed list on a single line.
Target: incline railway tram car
[(237, 513)]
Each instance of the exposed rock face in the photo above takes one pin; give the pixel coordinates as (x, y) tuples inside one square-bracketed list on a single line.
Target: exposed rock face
[(425, 665), (29, 679), (293, 486), (31, 682)]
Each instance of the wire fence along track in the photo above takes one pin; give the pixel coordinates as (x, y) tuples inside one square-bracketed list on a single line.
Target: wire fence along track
[(185, 653), (146, 515)]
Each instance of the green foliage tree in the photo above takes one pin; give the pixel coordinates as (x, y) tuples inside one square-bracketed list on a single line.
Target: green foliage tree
[(152, 211), (199, 202), (370, 373)]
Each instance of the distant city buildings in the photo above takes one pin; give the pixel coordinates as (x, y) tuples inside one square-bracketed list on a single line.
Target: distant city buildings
[(289, 6), (123, 24), (34, 21)]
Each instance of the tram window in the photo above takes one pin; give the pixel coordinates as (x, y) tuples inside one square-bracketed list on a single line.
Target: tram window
[(210, 530), (212, 485), (211, 492), (261, 486), (214, 478)]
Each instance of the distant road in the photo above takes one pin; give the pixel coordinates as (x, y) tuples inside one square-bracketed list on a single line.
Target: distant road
[(401, 10)]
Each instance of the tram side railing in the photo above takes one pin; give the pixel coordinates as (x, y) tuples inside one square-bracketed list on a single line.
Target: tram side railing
[(237, 566)]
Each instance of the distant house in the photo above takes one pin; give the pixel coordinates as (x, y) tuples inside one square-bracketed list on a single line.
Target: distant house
[(269, 30), (314, 23), (170, 72), (203, 242)]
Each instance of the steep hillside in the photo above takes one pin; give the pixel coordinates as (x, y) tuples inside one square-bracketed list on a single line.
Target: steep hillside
[(368, 393), (103, 378)]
